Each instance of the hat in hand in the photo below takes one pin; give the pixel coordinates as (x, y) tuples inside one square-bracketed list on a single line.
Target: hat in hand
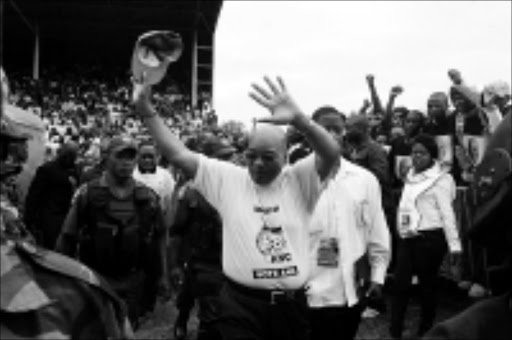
[(153, 52)]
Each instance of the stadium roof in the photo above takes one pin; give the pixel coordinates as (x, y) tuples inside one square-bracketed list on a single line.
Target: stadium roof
[(103, 31)]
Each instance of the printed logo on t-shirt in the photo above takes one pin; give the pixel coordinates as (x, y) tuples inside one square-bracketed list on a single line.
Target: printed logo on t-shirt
[(275, 273), (272, 244)]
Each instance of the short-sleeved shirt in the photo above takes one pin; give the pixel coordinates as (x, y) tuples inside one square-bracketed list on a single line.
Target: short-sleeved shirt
[(265, 228)]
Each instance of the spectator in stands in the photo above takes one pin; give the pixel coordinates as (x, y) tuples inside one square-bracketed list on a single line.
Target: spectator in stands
[(96, 170), (265, 209), (49, 195), (427, 229)]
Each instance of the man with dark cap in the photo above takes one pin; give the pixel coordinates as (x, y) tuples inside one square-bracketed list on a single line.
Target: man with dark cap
[(49, 195), (265, 210), (490, 318), (115, 225)]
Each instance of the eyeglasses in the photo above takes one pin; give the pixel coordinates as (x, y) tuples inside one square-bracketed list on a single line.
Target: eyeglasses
[(251, 157)]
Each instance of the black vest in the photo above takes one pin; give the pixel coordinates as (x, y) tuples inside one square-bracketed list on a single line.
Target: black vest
[(119, 234)]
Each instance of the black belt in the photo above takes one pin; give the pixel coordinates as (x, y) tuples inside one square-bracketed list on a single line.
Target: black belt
[(424, 233), (270, 296)]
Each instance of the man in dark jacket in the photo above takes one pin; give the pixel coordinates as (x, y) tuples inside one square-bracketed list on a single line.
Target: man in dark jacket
[(49, 195), (197, 236)]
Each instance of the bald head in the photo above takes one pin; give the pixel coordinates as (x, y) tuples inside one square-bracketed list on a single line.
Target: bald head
[(268, 137), (266, 153)]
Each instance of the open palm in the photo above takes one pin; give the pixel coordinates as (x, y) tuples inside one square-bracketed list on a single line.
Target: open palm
[(282, 106)]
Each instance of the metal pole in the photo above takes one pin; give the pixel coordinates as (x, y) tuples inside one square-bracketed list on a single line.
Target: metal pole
[(2, 53), (35, 73), (194, 70)]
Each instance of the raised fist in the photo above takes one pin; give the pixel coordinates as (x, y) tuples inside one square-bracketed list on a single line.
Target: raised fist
[(397, 90), (455, 76), (370, 78)]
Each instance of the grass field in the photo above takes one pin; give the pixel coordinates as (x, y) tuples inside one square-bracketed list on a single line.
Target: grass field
[(451, 301)]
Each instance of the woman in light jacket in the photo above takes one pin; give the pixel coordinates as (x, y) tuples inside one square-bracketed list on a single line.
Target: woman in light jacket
[(427, 228)]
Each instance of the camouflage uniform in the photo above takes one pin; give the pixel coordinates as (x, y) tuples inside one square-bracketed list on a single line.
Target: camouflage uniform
[(45, 295)]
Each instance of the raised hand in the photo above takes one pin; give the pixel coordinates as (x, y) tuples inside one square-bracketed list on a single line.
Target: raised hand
[(282, 106), (370, 78), (141, 95)]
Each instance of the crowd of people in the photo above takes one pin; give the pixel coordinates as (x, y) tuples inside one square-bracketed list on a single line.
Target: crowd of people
[(277, 234)]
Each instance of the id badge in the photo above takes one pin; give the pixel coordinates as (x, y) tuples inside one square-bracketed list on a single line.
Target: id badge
[(405, 220), (405, 223), (328, 252)]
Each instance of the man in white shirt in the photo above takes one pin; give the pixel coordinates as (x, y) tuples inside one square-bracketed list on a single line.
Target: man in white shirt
[(265, 210), (154, 176), (348, 227)]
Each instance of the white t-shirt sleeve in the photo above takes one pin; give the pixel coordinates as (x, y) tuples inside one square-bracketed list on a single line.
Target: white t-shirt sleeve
[(214, 179), (309, 181)]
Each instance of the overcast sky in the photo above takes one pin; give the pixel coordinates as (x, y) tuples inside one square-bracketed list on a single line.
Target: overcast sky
[(324, 49)]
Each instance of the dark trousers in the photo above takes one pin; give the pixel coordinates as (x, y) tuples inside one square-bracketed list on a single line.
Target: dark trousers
[(340, 323), (421, 256), (131, 289), (249, 318), (202, 282)]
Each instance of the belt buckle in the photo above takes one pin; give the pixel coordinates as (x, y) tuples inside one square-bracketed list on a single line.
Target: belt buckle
[(274, 295)]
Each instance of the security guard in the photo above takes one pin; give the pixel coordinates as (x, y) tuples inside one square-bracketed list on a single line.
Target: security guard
[(43, 294), (115, 225)]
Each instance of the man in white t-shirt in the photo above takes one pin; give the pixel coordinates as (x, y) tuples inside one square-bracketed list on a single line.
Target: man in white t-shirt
[(350, 245), (154, 176), (265, 210)]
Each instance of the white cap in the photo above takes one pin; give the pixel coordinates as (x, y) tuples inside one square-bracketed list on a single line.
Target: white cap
[(498, 88), (153, 52)]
